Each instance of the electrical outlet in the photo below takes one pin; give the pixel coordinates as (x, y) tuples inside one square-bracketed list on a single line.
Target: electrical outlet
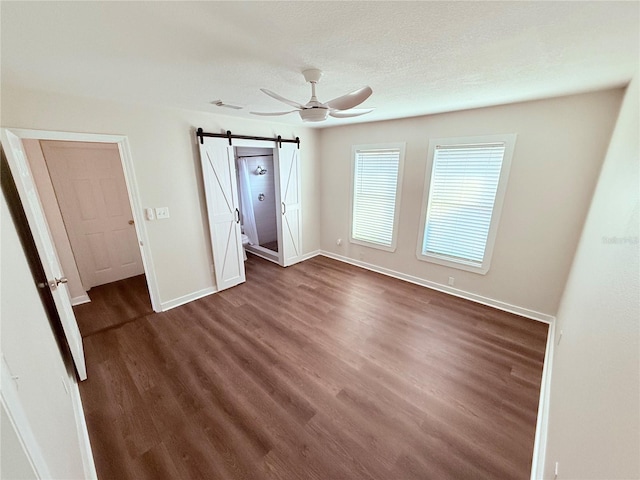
[(451, 281), (162, 212), (339, 242)]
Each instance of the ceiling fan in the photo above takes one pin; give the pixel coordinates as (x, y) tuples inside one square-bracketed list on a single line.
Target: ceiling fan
[(316, 111)]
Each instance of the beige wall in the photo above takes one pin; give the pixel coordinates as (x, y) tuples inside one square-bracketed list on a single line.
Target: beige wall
[(166, 163), (14, 463), (30, 350), (594, 419), (559, 151)]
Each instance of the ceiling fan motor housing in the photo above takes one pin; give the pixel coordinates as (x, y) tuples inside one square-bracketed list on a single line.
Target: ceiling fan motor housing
[(313, 114)]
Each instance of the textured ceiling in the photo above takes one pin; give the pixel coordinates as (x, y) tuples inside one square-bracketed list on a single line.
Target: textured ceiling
[(419, 57)]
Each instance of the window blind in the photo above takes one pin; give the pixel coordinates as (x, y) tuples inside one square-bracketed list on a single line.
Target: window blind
[(464, 182), (375, 183)]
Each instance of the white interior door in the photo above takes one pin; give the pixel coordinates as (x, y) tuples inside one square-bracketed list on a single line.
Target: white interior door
[(221, 191), (21, 172), (92, 193), (291, 212)]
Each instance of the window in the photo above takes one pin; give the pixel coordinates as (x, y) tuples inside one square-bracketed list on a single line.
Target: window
[(377, 173), (467, 180)]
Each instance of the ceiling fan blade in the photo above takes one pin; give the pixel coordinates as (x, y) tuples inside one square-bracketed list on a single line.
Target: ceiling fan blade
[(282, 99), (271, 114), (351, 113), (350, 100)]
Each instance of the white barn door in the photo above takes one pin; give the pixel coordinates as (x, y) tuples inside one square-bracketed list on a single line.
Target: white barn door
[(221, 191), (289, 185), (30, 200)]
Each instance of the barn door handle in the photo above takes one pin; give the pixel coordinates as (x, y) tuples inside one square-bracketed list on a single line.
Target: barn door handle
[(284, 208), (237, 216)]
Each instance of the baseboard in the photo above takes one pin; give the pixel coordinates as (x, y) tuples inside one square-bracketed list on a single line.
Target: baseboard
[(542, 423), (79, 300), (90, 472), (507, 307), (307, 256), (176, 302)]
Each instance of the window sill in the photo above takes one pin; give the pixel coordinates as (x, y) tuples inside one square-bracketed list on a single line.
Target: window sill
[(386, 248), (453, 263)]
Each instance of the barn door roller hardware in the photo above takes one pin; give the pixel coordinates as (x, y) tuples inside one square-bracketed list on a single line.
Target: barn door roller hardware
[(200, 134)]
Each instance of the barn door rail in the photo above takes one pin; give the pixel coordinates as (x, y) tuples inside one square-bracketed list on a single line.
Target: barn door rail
[(200, 134)]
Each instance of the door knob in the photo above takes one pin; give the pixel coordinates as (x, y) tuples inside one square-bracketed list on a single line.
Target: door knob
[(53, 284), (131, 222)]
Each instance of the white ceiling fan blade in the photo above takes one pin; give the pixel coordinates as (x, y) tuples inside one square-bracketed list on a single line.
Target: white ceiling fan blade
[(282, 99), (351, 113), (350, 100), (272, 114)]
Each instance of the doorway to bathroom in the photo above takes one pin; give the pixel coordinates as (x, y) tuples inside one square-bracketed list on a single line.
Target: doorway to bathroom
[(256, 179), (222, 173)]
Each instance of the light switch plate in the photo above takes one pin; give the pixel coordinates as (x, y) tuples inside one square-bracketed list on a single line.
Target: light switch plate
[(162, 212)]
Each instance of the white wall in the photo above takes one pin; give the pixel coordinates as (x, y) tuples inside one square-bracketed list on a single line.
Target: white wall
[(265, 210), (14, 463), (594, 418), (166, 163), (28, 345), (559, 151)]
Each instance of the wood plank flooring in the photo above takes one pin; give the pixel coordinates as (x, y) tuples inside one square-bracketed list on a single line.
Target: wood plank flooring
[(318, 371), (114, 304)]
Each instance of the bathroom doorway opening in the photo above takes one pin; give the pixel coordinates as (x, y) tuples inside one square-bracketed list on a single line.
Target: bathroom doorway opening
[(256, 177)]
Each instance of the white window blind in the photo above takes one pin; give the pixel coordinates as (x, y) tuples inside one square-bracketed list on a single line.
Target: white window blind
[(462, 195), (375, 184)]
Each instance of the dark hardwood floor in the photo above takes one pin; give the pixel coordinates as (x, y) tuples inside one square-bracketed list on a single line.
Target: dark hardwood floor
[(318, 371), (113, 304)]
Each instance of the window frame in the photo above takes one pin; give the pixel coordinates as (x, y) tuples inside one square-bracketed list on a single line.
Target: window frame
[(509, 141), (401, 147)]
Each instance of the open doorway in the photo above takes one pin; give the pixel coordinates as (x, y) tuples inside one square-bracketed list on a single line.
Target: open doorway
[(258, 201), (87, 191), (221, 162)]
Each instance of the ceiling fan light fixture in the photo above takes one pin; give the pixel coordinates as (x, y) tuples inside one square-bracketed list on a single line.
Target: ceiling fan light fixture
[(313, 114), (316, 111)]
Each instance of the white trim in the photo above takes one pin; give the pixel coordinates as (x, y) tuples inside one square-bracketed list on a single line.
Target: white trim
[(506, 307), (80, 299), (132, 189), (176, 302), (190, 297), (260, 251), (309, 255), (20, 422), (88, 463), (542, 423)]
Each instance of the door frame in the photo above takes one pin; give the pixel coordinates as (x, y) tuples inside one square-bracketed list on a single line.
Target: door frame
[(258, 250), (126, 161)]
